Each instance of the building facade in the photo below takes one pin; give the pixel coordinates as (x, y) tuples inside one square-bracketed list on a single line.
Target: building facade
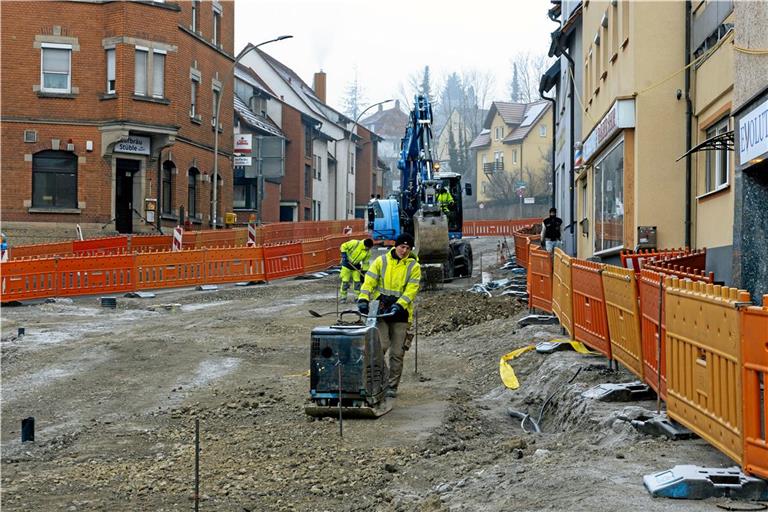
[(513, 157), (107, 112), (390, 125)]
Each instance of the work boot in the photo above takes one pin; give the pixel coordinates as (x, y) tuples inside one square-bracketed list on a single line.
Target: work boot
[(342, 300)]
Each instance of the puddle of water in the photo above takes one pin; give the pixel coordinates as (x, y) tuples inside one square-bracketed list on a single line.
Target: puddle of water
[(204, 305)]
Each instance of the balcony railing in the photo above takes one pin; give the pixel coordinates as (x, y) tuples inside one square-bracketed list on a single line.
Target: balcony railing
[(493, 167)]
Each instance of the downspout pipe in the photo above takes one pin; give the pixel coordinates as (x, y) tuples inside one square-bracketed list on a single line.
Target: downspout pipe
[(688, 125), (554, 134)]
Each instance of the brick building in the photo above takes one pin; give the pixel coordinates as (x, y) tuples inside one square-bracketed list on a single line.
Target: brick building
[(107, 106)]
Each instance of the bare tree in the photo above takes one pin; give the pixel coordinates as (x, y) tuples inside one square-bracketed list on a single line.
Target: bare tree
[(527, 71)]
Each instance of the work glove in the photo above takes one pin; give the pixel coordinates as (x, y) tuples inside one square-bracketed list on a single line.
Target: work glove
[(362, 306), (396, 310)]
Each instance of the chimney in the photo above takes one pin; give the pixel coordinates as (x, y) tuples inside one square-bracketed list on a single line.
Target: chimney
[(397, 104), (319, 85), (381, 107)]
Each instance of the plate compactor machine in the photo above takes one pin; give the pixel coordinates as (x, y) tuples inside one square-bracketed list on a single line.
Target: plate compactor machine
[(348, 374)]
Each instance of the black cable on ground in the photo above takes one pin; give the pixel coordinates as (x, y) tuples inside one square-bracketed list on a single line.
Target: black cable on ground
[(760, 506), (546, 402)]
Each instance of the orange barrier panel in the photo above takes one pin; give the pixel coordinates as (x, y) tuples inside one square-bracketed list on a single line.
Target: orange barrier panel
[(562, 303), (217, 238), (754, 352), (704, 364), (623, 311), (241, 237), (672, 270), (95, 274), (40, 250), (636, 260), (189, 240), (540, 279), (695, 259), (231, 265), (314, 255), (143, 243), (496, 227), (283, 261), (521, 247), (170, 269), (96, 246), (653, 330), (590, 321), (27, 279)]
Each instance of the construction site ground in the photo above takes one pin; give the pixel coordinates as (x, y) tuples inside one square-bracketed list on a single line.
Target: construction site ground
[(115, 394)]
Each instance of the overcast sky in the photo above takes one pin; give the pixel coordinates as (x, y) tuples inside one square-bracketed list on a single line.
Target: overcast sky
[(387, 41)]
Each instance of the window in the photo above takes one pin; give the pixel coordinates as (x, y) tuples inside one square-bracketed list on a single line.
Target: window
[(499, 132), (318, 168), (195, 11), (514, 156), (192, 192), (193, 99), (498, 156), (609, 200), (216, 26), (55, 68), (158, 74), (140, 83), (718, 165), (307, 140), (351, 163), (307, 214), (54, 180), (111, 71), (215, 121), (245, 190), (543, 130), (307, 181), (167, 188)]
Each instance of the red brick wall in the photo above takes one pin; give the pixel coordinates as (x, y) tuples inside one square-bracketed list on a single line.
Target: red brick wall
[(271, 202), (365, 166), (79, 117), (295, 160)]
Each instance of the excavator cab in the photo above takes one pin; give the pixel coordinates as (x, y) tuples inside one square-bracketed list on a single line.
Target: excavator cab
[(452, 183)]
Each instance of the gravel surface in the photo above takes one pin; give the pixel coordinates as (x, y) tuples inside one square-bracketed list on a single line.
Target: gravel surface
[(115, 395)]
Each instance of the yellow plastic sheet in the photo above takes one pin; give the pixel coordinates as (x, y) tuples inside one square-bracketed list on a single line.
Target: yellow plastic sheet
[(508, 376), (578, 347)]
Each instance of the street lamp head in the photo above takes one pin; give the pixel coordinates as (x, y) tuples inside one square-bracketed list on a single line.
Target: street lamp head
[(280, 38)]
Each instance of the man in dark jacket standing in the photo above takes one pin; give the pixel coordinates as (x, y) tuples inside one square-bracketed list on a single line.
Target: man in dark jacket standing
[(550, 231)]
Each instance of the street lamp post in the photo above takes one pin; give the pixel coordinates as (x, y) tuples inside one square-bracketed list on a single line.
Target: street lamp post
[(369, 107), (248, 49)]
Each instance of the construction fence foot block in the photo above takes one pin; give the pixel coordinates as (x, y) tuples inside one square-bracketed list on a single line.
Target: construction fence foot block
[(697, 483), (548, 347), (519, 295), (140, 295), (538, 320), (661, 425), (207, 287), (623, 392)]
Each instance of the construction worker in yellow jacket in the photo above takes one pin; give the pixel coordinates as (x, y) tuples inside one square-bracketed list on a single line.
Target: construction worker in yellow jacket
[(393, 279), (354, 256)]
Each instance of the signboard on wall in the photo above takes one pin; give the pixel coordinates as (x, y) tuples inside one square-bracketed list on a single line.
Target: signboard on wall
[(243, 143), (241, 161), (621, 115), (135, 144), (752, 135)]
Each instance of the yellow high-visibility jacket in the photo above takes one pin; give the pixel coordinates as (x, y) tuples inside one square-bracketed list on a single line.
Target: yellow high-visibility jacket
[(389, 275), (356, 251)]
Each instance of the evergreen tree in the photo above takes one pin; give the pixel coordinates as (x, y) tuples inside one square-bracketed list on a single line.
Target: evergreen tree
[(454, 159), (354, 97), (514, 86)]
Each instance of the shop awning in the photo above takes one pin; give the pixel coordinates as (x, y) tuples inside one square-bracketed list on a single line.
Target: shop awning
[(720, 142)]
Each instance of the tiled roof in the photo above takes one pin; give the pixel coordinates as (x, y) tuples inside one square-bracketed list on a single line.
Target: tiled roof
[(533, 112), (511, 113), (388, 123), (248, 75), (482, 140), (254, 121)]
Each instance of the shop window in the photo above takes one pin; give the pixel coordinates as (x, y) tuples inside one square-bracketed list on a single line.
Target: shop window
[(192, 177), (609, 200), (56, 68), (717, 166), (54, 180), (166, 186)]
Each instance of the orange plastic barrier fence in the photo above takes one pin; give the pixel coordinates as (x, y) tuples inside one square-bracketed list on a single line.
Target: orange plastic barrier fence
[(754, 352), (28, 279), (40, 250), (314, 255), (521, 248), (95, 274), (695, 259), (170, 269), (590, 321), (623, 310), (653, 330), (189, 240), (96, 246), (562, 302), (496, 227), (231, 265), (241, 237), (635, 260), (217, 238), (283, 260), (143, 243), (672, 270), (540, 279), (704, 363)]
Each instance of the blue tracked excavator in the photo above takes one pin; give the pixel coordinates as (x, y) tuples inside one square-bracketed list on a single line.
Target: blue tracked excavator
[(437, 231)]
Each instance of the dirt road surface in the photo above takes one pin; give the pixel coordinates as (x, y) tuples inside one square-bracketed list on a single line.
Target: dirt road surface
[(115, 395)]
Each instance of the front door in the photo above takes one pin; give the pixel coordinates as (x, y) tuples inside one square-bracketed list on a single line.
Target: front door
[(124, 194)]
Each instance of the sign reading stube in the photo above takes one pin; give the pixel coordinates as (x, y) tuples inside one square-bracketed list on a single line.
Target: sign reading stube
[(135, 144)]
